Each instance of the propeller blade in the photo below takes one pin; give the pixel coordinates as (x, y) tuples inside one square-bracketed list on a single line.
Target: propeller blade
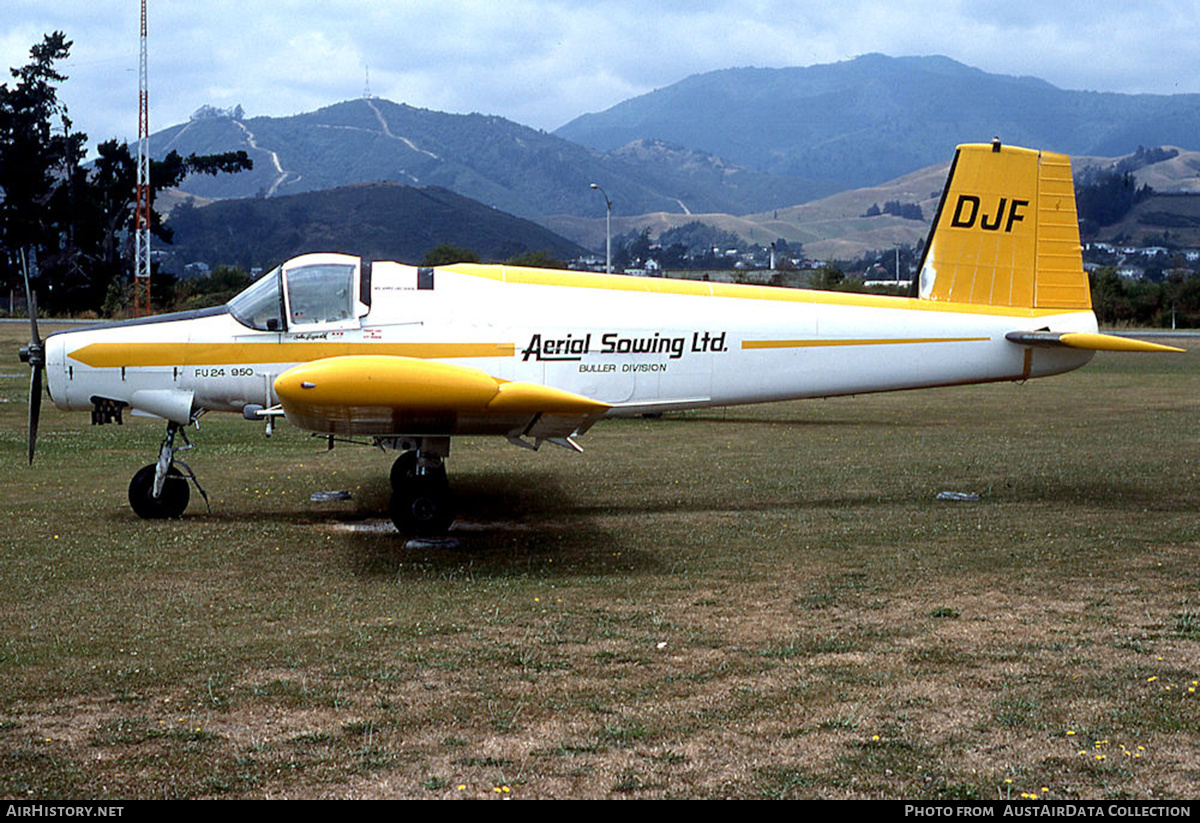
[(33, 355), (35, 408), (35, 342)]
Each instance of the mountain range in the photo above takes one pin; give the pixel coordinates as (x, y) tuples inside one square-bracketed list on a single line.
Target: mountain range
[(502, 164), (750, 144), (875, 118)]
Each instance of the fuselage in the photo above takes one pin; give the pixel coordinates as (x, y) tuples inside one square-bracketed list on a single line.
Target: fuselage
[(637, 345)]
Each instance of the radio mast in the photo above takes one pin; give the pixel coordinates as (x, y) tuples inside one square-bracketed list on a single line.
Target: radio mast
[(141, 229)]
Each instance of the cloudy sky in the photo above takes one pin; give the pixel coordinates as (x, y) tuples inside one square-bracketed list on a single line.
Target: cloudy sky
[(544, 62)]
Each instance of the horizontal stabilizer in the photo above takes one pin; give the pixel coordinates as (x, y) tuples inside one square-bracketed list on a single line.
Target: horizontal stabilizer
[(1091, 341)]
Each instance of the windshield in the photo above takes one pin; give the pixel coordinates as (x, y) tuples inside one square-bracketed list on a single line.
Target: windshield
[(259, 306)]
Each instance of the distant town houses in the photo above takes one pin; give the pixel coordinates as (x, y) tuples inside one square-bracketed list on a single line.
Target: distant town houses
[(1138, 262)]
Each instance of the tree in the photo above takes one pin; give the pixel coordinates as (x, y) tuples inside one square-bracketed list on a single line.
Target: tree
[(213, 289), (96, 232), (542, 259), (634, 251), (829, 276), (35, 157), (444, 254), (1108, 199), (73, 223)]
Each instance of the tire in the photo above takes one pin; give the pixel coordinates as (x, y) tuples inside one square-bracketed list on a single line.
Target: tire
[(169, 505), (423, 507)]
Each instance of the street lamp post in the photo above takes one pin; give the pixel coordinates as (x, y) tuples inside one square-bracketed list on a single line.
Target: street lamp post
[(607, 229)]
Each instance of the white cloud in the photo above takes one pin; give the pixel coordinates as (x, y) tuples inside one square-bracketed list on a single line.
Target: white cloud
[(544, 62)]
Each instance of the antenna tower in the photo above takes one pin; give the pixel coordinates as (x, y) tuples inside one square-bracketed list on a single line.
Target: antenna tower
[(141, 239)]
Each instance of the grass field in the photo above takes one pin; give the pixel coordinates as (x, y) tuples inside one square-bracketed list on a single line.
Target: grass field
[(765, 602)]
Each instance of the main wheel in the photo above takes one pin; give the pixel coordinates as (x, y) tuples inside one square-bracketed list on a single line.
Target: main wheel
[(423, 506), (169, 505)]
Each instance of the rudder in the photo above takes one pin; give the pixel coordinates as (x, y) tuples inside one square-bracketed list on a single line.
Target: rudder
[(1006, 232)]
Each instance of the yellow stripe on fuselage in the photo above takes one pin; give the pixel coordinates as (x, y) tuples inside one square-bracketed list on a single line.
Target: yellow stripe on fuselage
[(115, 355), (801, 344)]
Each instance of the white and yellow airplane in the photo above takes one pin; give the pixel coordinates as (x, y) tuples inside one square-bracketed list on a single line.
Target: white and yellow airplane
[(410, 357)]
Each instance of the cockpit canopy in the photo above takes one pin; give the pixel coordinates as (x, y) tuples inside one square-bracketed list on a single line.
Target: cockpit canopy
[(311, 292)]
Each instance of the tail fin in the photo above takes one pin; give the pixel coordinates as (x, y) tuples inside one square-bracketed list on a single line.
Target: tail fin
[(1006, 232)]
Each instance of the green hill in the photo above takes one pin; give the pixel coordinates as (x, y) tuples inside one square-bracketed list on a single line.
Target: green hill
[(1163, 219), (381, 221)]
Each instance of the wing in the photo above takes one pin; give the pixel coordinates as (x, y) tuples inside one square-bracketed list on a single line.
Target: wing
[(381, 395)]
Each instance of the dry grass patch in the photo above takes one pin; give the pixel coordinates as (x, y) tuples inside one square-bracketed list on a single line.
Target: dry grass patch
[(764, 602)]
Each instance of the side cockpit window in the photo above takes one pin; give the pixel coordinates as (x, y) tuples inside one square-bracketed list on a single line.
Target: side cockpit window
[(320, 294), (260, 306)]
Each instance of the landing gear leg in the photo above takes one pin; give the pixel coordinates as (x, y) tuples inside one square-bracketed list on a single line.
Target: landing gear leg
[(160, 490), (422, 504)]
